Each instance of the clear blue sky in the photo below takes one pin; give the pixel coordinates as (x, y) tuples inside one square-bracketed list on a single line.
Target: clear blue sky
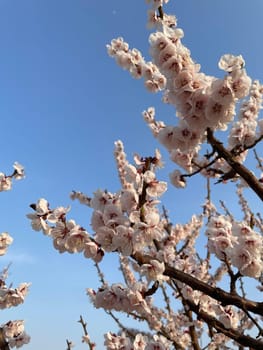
[(63, 103)]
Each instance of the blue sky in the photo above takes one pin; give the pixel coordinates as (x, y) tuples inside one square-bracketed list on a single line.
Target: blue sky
[(63, 103)]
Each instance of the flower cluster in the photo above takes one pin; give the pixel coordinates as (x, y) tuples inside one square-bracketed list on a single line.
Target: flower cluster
[(201, 102), (237, 243), (6, 180), (67, 235), (140, 342), (133, 61), (5, 241), (119, 298), (10, 297), (127, 221), (244, 131), (157, 257), (14, 333)]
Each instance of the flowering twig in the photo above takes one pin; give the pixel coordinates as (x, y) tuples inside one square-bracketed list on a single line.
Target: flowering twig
[(121, 326), (86, 338), (200, 168), (166, 299), (260, 165), (238, 149), (188, 313), (227, 211)]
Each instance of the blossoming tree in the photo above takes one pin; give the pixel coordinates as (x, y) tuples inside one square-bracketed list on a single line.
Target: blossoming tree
[(188, 299), (12, 333)]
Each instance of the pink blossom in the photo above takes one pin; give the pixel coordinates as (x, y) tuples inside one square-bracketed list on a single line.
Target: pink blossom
[(165, 137), (253, 268), (154, 270), (92, 250), (139, 342), (241, 83), (230, 63), (5, 182), (221, 91), (113, 215), (104, 236), (176, 179), (5, 241), (13, 328), (42, 207), (123, 240), (129, 200), (100, 199), (19, 341), (154, 187), (19, 172), (57, 214), (97, 220), (76, 240)]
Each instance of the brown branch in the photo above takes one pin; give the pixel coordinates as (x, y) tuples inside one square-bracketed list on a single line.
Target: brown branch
[(200, 168), (168, 225), (120, 325), (192, 329), (83, 324), (151, 290), (160, 12), (239, 168), (166, 299), (3, 344), (218, 294), (227, 212), (229, 332), (233, 276), (69, 345), (86, 334), (260, 330), (260, 165), (242, 148)]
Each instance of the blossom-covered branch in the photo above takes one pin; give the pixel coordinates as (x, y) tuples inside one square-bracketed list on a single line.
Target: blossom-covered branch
[(12, 333), (182, 292)]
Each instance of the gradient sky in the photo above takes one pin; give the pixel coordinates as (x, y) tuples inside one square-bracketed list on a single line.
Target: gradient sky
[(63, 103)]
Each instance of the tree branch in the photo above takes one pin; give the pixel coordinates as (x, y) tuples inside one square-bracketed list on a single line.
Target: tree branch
[(218, 294), (229, 332), (239, 168)]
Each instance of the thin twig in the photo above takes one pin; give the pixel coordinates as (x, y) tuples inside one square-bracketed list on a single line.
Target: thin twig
[(260, 165), (69, 344), (86, 334)]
